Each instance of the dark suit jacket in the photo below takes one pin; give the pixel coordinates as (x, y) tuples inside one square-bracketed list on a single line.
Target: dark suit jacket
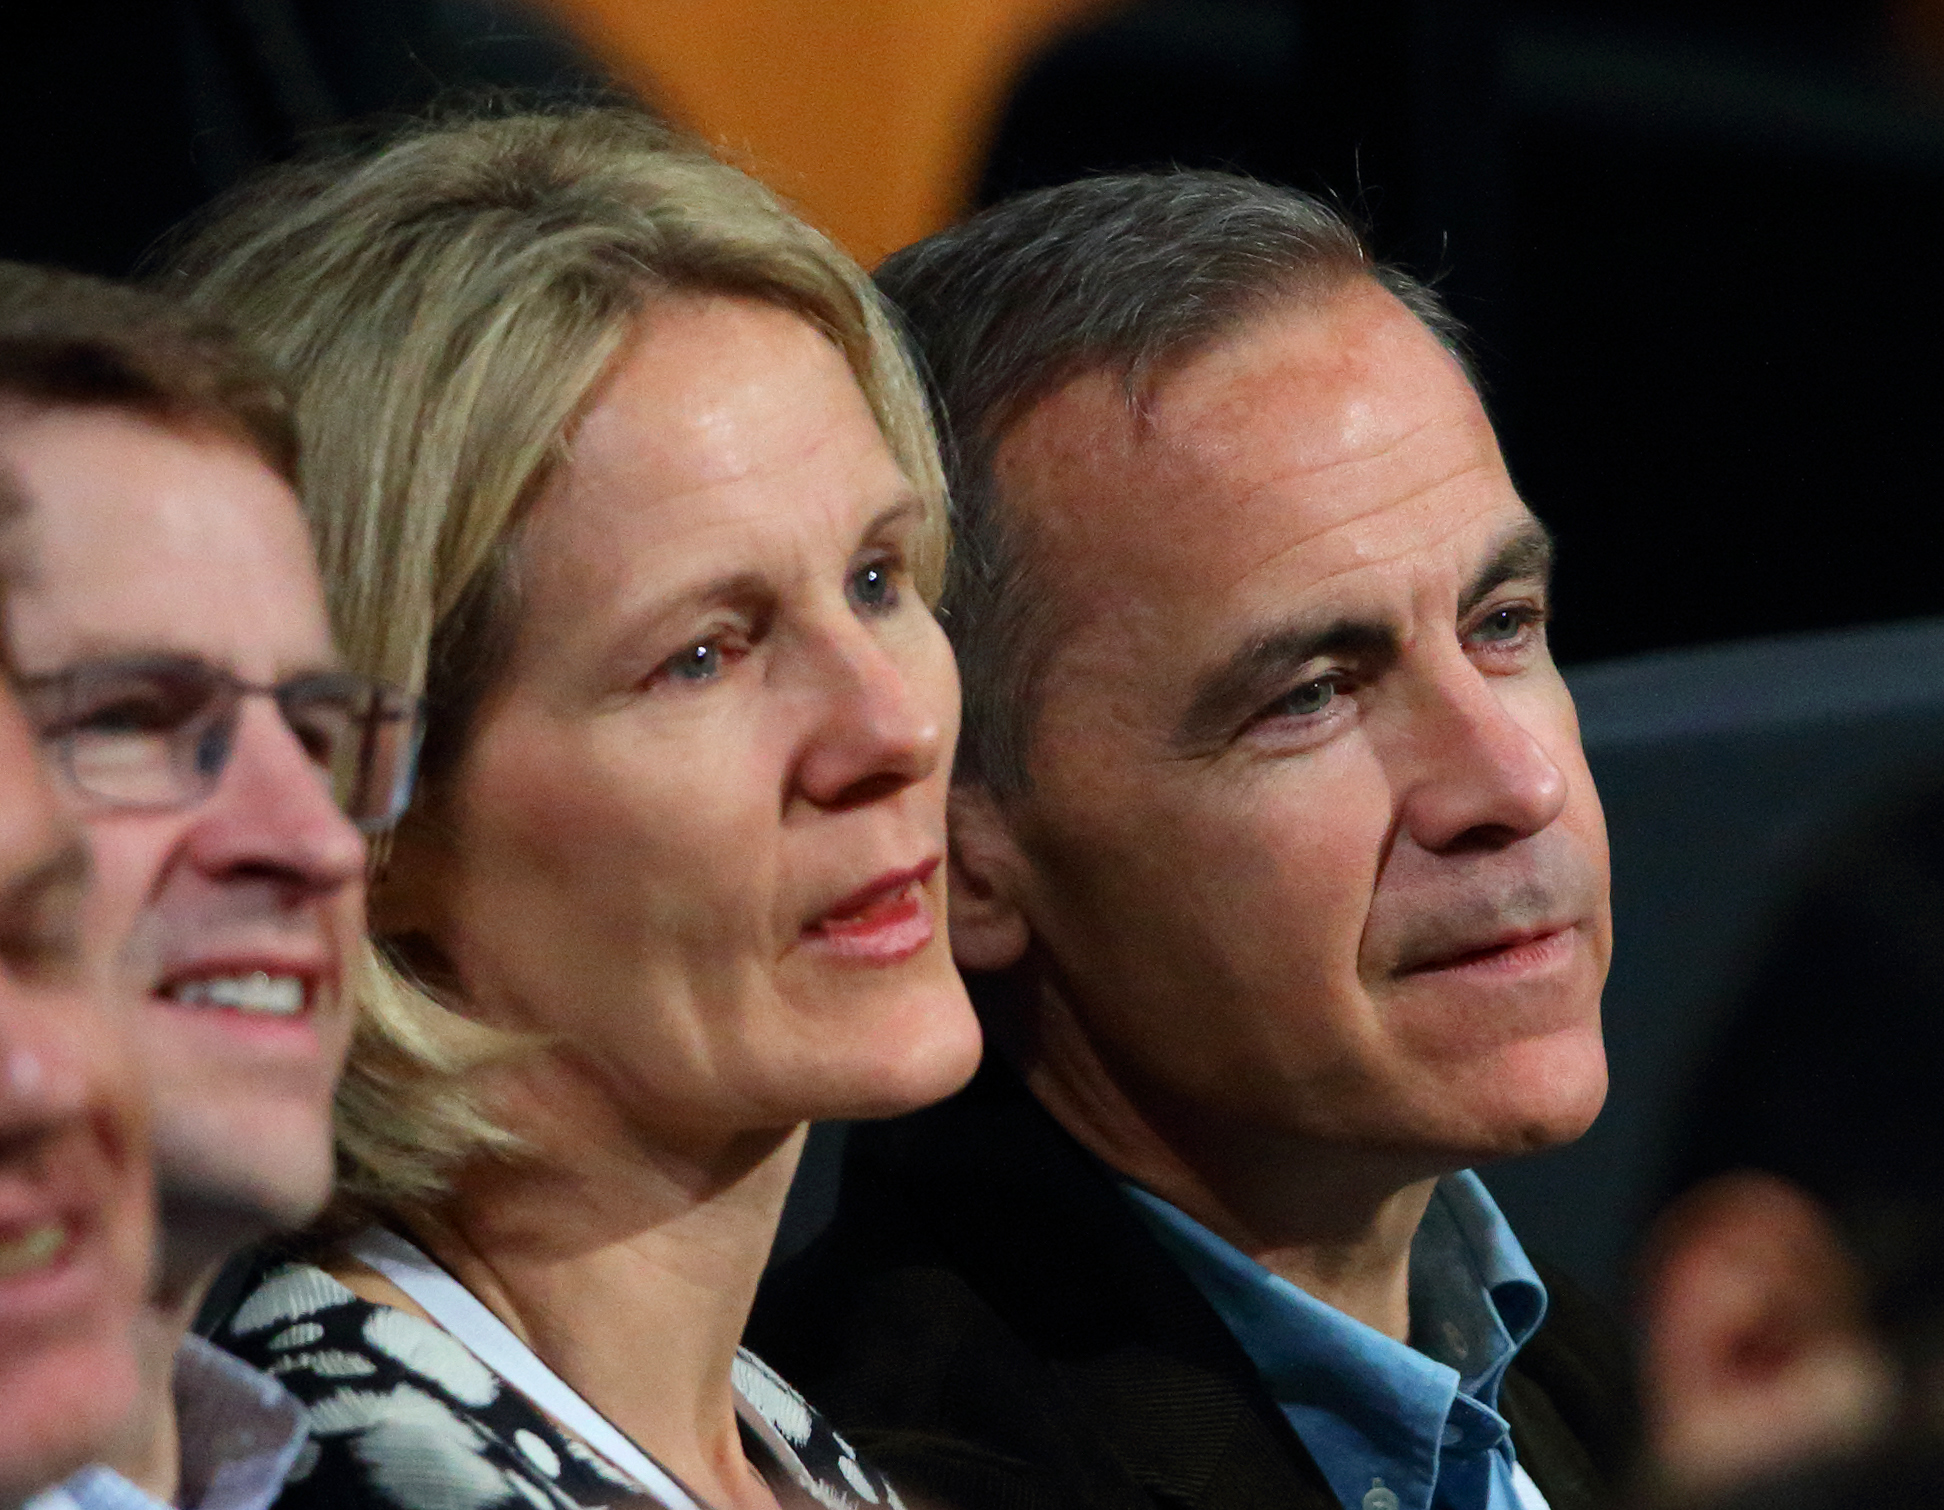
[(993, 1327)]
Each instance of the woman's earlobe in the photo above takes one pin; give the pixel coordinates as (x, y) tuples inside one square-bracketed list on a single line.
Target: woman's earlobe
[(989, 931)]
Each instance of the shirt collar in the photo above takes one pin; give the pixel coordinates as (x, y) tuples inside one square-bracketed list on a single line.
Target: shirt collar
[(1475, 1297), (1368, 1407), (238, 1431)]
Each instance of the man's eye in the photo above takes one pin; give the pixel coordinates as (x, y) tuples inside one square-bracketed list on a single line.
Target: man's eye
[(320, 735), (872, 587), (128, 715), (1305, 701), (1506, 624)]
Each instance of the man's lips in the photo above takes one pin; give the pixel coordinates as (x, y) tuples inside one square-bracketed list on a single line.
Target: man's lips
[(1510, 949), (887, 920), (254, 987), (53, 1180)]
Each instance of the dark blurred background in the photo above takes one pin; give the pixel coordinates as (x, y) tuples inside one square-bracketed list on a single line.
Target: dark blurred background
[(1700, 242), (1701, 245)]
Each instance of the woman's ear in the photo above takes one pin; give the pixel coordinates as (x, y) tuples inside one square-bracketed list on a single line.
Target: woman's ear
[(409, 879), (403, 907), (989, 931)]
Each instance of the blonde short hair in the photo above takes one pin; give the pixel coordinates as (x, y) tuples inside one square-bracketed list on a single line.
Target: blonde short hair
[(444, 307)]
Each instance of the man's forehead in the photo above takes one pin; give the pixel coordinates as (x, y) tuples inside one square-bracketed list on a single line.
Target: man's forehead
[(141, 537), (1343, 426)]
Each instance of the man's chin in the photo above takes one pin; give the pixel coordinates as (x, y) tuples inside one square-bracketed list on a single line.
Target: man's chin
[(207, 1210), (1550, 1094)]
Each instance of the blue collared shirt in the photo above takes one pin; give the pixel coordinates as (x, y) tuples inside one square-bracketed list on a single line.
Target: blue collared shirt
[(240, 1432), (1392, 1427)]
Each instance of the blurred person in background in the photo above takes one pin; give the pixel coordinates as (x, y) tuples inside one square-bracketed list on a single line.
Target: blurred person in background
[(172, 648), (624, 466), (1284, 883), (75, 1203), (1792, 1291)]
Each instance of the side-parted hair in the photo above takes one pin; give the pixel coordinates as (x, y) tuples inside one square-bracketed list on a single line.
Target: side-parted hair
[(71, 340), (446, 306), (1128, 274)]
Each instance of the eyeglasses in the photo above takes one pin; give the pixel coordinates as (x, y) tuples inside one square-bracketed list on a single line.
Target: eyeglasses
[(155, 732)]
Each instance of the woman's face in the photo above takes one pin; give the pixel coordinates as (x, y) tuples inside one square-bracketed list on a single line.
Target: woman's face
[(699, 832)]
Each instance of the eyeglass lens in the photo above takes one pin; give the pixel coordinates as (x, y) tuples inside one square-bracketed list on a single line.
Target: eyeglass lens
[(157, 734)]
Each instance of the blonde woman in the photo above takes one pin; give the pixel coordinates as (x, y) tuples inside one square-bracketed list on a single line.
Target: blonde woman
[(623, 466)]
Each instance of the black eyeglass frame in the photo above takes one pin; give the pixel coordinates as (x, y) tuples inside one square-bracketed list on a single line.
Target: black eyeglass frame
[(206, 703)]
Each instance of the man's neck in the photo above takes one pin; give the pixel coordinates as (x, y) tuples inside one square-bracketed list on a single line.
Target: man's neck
[(1366, 1275), (149, 1451), (1337, 1227)]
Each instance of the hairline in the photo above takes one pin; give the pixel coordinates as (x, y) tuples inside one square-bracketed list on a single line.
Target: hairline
[(1137, 375)]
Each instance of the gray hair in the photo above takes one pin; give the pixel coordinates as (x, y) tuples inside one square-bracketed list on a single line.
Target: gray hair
[(1122, 273)]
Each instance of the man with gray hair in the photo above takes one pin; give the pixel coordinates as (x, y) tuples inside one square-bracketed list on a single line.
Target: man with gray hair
[(1280, 879)]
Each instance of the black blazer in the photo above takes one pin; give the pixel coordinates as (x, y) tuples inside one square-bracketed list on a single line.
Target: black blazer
[(995, 1329)]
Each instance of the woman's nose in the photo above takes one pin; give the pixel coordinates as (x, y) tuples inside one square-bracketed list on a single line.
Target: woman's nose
[(879, 728)]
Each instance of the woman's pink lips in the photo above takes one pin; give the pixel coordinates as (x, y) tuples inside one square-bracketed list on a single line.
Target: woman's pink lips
[(887, 921)]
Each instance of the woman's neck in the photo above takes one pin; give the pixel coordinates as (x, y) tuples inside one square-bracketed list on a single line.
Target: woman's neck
[(629, 1268)]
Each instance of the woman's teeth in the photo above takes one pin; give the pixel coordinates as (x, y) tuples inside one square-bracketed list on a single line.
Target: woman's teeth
[(33, 1249), (259, 991)]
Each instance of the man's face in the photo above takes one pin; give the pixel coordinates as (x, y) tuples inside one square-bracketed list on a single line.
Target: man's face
[(1311, 850), (231, 916), (75, 1217)]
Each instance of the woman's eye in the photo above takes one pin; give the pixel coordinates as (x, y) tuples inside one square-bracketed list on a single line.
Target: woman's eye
[(700, 662), (1305, 701), (872, 587)]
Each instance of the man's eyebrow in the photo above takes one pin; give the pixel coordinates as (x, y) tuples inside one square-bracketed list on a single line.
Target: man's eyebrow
[(14, 563), (1268, 664), (1525, 554), (13, 518)]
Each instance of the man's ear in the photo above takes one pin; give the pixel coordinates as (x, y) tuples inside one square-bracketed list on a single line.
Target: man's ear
[(989, 931), (1757, 1354)]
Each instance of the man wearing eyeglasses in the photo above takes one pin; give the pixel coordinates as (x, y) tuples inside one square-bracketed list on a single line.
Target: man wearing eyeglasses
[(75, 1203), (174, 653)]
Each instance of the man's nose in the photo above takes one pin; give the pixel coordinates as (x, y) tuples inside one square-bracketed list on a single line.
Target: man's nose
[(272, 812), (1475, 776), (874, 732)]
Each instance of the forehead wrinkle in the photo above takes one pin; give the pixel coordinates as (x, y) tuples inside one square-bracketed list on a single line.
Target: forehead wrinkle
[(1364, 559), (1207, 438)]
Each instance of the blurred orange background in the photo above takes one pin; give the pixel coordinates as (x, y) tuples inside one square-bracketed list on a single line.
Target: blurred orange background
[(872, 116)]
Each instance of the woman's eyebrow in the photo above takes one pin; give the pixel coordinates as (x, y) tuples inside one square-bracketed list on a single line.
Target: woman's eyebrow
[(908, 506)]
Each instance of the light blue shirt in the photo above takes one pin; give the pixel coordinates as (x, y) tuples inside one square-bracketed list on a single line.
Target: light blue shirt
[(1392, 1427), (240, 1434)]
